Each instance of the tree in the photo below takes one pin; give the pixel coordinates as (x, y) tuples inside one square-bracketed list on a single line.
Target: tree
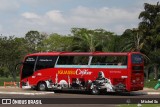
[(12, 52), (3, 69), (34, 41), (150, 26), (132, 40), (56, 42), (91, 40), (83, 40), (107, 41)]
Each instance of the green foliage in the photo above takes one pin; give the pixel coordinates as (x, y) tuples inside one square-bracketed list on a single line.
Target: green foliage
[(145, 38), (85, 40), (150, 28), (56, 42), (4, 72), (150, 83), (132, 40), (11, 53), (34, 41)]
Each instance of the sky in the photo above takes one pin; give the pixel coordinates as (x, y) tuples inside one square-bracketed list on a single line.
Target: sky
[(17, 17)]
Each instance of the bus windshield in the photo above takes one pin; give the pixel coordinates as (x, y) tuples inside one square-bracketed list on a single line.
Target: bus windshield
[(35, 63), (28, 66)]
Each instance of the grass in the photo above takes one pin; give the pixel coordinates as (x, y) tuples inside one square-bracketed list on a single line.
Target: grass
[(142, 105), (150, 83), (4, 79)]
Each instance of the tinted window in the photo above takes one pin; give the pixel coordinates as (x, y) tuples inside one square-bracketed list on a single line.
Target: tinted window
[(44, 62), (73, 60), (28, 66), (137, 58), (109, 60)]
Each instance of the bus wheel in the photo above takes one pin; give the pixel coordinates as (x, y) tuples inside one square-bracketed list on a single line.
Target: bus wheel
[(95, 91), (42, 86)]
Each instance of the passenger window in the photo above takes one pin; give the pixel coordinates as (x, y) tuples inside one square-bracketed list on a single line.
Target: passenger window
[(44, 62), (73, 60), (98, 60), (109, 60)]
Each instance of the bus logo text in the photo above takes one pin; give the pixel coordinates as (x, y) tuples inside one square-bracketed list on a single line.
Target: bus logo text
[(83, 72)]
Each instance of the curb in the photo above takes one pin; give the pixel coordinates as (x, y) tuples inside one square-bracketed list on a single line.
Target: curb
[(153, 93), (146, 93), (25, 93)]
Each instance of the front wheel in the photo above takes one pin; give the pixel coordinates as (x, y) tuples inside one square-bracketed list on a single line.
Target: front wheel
[(42, 86)]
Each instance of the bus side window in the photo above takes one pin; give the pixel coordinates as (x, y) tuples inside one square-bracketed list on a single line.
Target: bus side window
[(73, 60), (80, 60), (65, 60), (119, 64), (44, 62), (98, 60)]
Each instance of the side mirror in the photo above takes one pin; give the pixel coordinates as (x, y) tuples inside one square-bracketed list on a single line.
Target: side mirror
[(20, 63)]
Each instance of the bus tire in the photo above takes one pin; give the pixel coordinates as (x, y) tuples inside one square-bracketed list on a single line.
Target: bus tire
[(42, 86), (95, 91)]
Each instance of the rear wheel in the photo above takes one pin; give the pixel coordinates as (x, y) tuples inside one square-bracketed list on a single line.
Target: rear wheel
[(95, 91), (42, 86)]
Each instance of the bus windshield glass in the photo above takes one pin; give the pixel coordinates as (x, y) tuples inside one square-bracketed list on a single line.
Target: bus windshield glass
[(28, 66)]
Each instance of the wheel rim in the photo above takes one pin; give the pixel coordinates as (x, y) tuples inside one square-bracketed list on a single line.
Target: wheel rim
[(42, 87), (95, 90)]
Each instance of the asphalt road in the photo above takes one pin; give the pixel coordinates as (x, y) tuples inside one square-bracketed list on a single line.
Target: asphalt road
[(82, 95), (64, 97)]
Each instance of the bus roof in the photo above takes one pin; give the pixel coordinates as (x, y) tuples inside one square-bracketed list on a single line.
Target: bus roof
[(44, 53), (80, 53)]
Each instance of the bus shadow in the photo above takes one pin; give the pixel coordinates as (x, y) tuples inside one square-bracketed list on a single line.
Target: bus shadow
[(102, 93), (124, 93)]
